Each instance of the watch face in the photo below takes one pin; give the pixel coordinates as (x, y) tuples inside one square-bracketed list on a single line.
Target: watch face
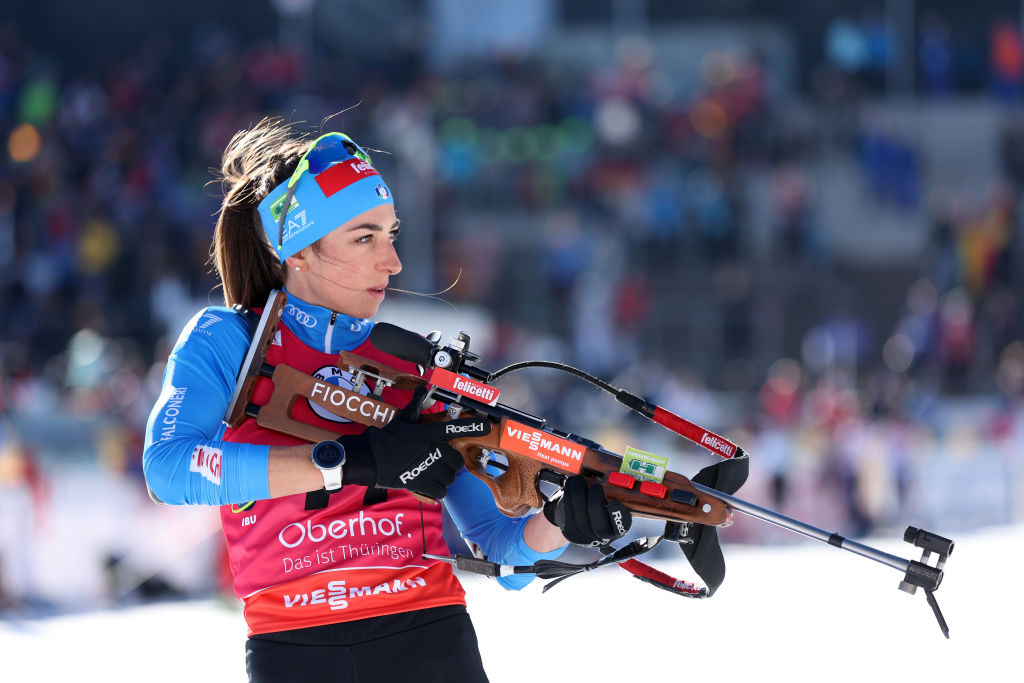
[(328, 454)]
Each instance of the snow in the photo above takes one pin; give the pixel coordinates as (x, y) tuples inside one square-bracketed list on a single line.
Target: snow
[(800, 612)]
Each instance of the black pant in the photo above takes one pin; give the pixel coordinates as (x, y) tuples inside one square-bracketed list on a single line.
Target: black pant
[(436, 644)]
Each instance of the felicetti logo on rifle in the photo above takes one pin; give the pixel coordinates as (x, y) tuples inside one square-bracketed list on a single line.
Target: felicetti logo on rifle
[(464, 386), (539, 445), (721, 446)]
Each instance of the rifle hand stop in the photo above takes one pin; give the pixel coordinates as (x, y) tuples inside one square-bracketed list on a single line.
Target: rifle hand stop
[(921, 574)]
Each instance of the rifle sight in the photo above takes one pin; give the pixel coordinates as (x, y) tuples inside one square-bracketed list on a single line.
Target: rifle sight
[(928, 541)]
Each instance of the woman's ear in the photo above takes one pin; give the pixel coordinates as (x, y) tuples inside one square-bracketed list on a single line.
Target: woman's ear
[(296, 262)]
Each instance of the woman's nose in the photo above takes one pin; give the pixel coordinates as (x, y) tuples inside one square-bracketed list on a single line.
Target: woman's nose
[(390, 263)]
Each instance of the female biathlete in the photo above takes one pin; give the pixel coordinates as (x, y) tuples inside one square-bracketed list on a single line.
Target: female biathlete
[(325, 541)]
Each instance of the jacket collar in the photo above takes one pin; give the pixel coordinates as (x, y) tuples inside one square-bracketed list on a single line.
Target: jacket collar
[(323, 329)]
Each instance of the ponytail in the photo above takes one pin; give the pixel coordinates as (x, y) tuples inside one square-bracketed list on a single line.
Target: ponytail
[(254, 163)]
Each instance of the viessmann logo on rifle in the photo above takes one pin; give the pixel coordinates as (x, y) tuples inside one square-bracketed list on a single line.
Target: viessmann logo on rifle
[(539, 445), (464, 386)]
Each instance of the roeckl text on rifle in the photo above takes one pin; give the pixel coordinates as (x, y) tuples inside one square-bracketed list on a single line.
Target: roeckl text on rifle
[(534, 452)]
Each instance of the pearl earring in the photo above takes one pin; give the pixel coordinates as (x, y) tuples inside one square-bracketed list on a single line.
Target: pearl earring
[(297, 268)]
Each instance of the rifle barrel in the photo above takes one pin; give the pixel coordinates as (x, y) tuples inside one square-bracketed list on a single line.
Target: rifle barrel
[(795, 525)]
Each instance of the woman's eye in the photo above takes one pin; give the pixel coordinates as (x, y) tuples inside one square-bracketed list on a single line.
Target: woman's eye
[(393, 235), (365, 239)]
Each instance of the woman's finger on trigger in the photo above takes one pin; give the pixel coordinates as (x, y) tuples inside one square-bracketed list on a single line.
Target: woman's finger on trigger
[(575, 500), (597, 512), (451, 458), (412, 409)]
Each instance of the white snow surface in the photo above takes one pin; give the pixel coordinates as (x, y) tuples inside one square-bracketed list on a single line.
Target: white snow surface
[(801, 612)]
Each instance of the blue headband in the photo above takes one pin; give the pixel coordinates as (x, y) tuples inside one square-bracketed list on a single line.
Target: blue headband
[(330, 186)]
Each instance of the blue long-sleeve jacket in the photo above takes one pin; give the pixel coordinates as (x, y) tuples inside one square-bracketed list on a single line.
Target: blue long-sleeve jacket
[(197, 387)]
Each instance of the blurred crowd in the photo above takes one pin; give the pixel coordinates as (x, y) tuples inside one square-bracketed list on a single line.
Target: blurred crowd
[(568, 198), (568, 201)]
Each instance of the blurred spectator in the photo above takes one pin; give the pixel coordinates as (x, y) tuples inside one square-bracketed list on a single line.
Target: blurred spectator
[(861, 49), (935, 55), (1007, 61), (24, 513), (891, 165), (793, 214)]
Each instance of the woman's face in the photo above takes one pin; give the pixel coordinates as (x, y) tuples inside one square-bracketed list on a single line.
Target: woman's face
[(353, 266)]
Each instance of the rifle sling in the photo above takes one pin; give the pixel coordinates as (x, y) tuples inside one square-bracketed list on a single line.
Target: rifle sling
[(559, 571)]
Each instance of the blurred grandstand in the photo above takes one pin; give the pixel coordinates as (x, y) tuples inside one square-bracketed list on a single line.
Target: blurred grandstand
[(798, 221)]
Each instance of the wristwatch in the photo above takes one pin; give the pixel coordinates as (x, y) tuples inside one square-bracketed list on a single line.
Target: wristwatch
[(328, 457)]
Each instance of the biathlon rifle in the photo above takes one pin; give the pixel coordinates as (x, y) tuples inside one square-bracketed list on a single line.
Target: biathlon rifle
[(523, 452)]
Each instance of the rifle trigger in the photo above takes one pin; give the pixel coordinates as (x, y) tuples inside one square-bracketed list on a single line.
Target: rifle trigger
[(552, 477)]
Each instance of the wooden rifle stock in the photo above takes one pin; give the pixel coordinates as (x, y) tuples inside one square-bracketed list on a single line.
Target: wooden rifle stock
[(516, 490)]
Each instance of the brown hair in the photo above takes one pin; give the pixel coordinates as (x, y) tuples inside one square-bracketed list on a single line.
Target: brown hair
[(254, 163)]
